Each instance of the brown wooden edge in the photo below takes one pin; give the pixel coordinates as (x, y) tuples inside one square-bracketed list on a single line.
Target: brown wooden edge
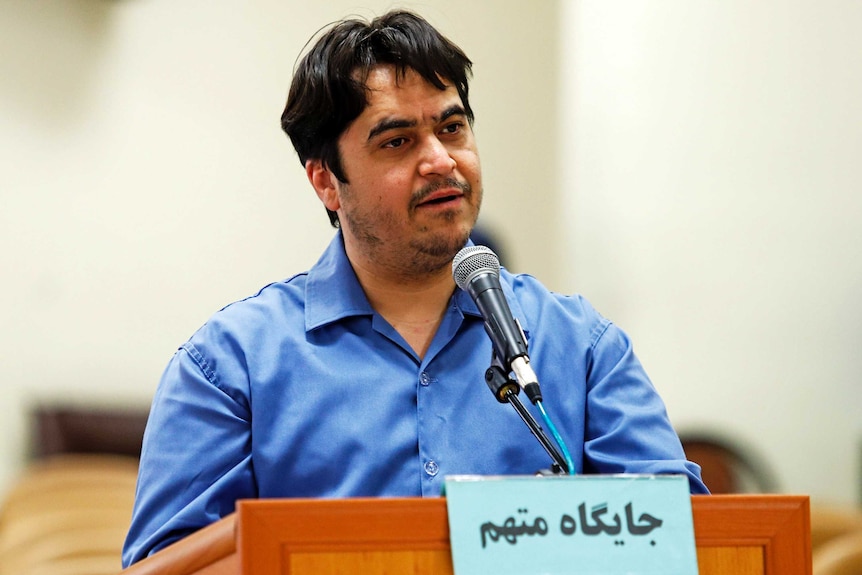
[(780, 524), (192, 554)]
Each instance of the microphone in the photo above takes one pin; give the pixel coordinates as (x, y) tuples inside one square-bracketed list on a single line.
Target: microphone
[(476, 270)]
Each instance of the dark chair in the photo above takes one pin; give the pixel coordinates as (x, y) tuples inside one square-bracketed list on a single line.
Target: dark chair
[(76, 429), (727, 466)]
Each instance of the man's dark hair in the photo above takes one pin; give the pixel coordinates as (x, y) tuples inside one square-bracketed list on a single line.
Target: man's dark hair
[(328, 90)]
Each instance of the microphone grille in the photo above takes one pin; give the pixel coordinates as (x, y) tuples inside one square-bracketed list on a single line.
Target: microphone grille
[(473, 260)]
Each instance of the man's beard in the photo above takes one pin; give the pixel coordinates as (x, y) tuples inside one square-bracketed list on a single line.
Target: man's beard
[(423, 255)]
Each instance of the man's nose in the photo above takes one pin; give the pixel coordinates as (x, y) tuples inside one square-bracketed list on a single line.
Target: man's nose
[(435, 158)]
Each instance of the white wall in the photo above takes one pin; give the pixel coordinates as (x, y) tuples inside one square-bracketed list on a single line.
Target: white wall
[(715, 202), (145, 181)]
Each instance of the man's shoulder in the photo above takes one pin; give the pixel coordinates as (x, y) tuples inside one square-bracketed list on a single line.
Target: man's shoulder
[(556, 312), (277, 303), (288, 290), (530, 290)]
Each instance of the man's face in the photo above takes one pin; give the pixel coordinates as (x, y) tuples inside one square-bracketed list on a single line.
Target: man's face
[(415, 182)]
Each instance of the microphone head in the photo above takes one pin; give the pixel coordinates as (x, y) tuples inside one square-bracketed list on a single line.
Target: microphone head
[(472, 261)]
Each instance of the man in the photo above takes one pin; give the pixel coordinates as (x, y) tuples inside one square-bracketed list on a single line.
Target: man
[(364, 376)]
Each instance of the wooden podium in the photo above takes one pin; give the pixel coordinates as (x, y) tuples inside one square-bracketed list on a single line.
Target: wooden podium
[(734, 534)]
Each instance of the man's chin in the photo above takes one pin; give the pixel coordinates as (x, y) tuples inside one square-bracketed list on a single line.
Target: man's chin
[(437, 252)]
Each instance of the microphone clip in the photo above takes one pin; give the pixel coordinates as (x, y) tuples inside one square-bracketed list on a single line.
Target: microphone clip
[(506, 390), (499, 383)]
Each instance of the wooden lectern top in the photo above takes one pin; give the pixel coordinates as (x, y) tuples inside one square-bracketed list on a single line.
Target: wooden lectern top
[(734, 534)]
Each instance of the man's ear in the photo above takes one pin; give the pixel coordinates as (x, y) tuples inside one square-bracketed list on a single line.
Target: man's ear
[(324, 183)]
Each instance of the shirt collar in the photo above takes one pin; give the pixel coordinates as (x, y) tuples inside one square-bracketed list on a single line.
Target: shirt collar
[(333, 292)]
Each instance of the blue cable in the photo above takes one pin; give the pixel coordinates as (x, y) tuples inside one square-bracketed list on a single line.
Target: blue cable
[(563, 449)]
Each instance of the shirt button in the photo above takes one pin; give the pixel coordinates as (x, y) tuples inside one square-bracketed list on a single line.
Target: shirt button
[(424, 379), (431, 468)]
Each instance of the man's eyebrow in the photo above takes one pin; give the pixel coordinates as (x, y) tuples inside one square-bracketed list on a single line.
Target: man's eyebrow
[(395, 123), (389, 124), (453, 110)]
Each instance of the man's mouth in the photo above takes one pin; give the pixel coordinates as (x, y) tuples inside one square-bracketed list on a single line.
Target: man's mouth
[(441, 197), (444, 192)]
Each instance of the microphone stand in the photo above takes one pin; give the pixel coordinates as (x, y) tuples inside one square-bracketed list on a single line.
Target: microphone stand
[(506, 390)]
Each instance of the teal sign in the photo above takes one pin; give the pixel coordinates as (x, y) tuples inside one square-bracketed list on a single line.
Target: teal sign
[(588, 525)]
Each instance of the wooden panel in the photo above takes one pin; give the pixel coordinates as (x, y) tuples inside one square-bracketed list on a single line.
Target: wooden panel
[(292, 531), (778, 524), (368, 562), (730, 560), (735, 534)]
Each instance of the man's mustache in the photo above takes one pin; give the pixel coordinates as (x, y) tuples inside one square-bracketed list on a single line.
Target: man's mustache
[(420, 196)]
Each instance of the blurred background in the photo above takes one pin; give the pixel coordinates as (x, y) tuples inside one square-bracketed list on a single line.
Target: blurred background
[(692, 168)]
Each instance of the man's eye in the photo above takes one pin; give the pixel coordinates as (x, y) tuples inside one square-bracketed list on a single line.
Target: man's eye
[(395, 143), (453, 128)]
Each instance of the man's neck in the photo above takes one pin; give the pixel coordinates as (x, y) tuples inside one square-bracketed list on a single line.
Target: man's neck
[(413, 306)]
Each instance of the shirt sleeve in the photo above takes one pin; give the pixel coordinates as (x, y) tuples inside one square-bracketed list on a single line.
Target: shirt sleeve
[(627, 428), (196, 456)]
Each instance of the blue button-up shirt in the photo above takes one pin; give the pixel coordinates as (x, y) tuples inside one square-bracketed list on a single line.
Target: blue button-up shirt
[(303, 390)]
